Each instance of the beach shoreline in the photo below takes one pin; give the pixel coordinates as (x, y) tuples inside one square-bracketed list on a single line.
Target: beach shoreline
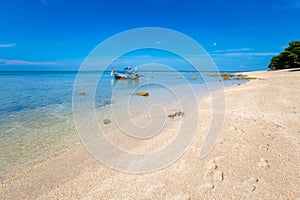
[(257, 155)]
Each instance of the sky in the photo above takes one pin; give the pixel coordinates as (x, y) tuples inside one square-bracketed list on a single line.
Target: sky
[(239, 35)]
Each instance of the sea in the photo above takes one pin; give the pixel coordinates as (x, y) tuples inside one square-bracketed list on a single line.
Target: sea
[(36, 116)]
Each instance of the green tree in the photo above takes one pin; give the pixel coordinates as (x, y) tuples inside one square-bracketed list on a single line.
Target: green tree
[(290, 58)]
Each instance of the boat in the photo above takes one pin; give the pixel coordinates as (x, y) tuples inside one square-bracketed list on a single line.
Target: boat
[(129, 73)]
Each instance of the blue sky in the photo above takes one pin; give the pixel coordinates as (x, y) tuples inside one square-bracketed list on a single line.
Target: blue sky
[(240, 35)]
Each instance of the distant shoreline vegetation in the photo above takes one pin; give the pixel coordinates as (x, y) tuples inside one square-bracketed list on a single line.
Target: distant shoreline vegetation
[(290, 58), (109, 71)]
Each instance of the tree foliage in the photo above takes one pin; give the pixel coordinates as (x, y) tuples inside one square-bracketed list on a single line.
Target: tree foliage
[(290, 58)]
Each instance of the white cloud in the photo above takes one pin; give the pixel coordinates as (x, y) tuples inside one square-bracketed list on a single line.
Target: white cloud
[(8, 62), (232, 50), (7, 45), (241, 54)]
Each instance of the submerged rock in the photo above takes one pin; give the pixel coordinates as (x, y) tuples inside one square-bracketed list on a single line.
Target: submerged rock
[(107, 101), (192, 79), (223, 75), (144, 94), (245, 78), (106, 121)]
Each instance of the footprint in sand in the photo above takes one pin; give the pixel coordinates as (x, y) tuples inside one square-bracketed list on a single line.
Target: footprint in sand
[(213, 174), (221, 141), (211, 165), (218, 176), (265, 147), (278, 126), (263, 163), (268, 136), (251, 184)]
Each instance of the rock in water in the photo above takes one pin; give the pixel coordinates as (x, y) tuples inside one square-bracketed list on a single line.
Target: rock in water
[(144, 94), (106, 121), (107, 101)]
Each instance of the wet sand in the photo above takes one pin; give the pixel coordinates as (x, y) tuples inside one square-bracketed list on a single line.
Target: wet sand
[(257, 155)]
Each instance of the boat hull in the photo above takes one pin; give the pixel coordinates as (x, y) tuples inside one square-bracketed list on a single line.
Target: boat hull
[(126, 76)]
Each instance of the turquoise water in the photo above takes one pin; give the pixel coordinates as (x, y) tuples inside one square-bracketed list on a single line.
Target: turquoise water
[(35, 118), (36, 121)]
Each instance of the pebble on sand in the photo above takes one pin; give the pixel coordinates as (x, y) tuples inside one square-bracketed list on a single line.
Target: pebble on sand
[(176, 114)]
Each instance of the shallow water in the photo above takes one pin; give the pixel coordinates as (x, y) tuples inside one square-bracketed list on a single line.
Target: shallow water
[(36, 119)]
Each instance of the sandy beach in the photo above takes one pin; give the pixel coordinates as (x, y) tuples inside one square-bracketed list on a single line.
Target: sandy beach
[(257, 155)]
